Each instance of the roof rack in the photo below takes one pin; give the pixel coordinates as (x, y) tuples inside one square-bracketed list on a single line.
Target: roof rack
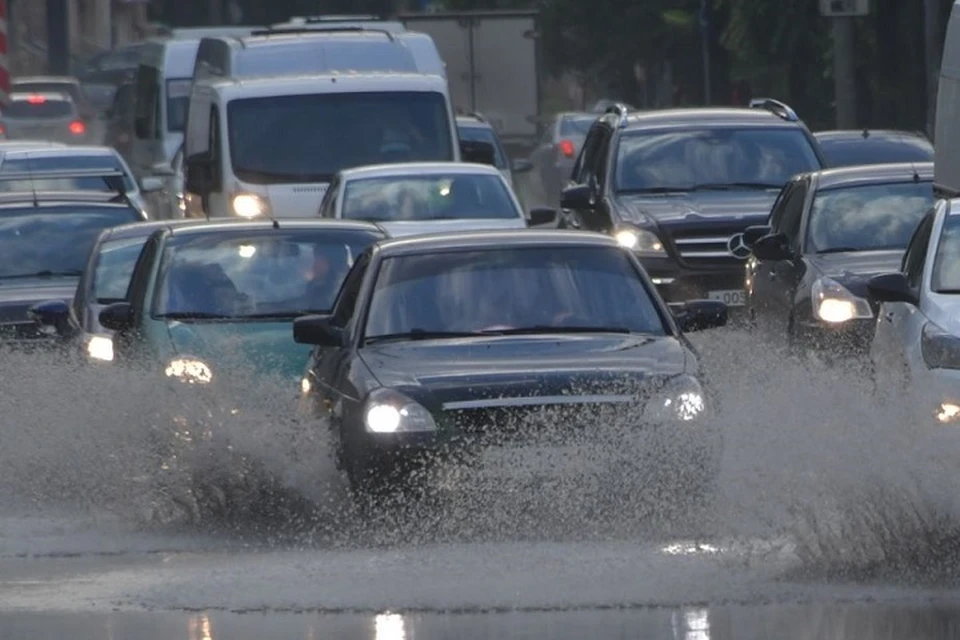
[(779, 109), (296, 30)]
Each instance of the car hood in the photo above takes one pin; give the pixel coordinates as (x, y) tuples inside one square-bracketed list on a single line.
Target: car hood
[(17, 296), (261, 348), (853, 269), (517, 366), (399, 228), (694, 208)]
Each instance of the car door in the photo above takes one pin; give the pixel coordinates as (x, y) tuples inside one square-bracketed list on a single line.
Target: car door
[(328, 206), (584, 174), (128, 344), (771, 300), (899, 324)]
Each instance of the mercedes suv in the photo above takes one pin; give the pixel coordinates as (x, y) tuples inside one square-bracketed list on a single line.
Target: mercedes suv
[(679, 186)]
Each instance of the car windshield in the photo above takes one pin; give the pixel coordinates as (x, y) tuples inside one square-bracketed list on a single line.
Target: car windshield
[(683, 159), (845, 152), (576, 125), (946, 266), (33, 241), (38, 108), (867, 217), (25, 163), (308, 138), (178, 99), (484, 134), (500, 289), (428, 197), (250, 274), (114, 267)]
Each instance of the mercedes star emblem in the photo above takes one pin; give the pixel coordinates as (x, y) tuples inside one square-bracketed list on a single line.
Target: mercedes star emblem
[(738, 247)]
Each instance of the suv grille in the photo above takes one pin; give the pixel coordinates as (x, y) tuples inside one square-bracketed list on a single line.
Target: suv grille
[(707, 246)]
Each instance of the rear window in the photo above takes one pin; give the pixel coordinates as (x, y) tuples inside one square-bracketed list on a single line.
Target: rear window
[(73, 90), (39, 109), (576, 125), (847, 152)]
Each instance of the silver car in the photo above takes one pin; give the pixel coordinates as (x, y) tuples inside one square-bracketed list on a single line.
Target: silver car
[(43, 116)]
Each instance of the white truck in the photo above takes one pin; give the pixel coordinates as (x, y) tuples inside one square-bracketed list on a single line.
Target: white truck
[(492, 66)]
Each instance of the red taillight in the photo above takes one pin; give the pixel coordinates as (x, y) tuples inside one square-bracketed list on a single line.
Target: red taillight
[(36, 99), (566, 148), (77, 128), (3, 130)]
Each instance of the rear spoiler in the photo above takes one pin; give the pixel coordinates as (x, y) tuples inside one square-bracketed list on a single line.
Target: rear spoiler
[(114, 180)]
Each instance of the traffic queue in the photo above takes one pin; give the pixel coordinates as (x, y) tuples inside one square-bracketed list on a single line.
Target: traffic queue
[(307, 204)]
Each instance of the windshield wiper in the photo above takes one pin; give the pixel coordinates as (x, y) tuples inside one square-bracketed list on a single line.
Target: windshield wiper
[(653, 190), (838, 250), (733, 186), (48, 274), (281, 315), (193, 315), (535, 329), (421, 334)]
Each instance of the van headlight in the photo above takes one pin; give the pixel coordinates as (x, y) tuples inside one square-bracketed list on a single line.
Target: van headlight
[(389, 411), (189, 371), (639, 241), (250, 205), (682, 398), (833, 303)]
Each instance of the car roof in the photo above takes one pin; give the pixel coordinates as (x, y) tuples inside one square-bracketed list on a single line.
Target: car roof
[(493, 239), (867, 134), (315, 83), (874, 174), (282, 224), (472, 120), (50, 79), (89, 196), (145, 228), (42, 203), (52, 96), (66, 150), (705, 117), (417, 168)]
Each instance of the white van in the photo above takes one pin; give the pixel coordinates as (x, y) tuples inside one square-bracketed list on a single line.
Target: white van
[(295, 52), (946, 141), (270, 145)]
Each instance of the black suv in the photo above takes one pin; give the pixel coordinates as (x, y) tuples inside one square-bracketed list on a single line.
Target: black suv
[(679, 186)]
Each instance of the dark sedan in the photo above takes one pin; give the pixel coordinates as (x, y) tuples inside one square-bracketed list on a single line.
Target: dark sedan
[(828, 233), (860, 147), (456, 345), (43, 251)]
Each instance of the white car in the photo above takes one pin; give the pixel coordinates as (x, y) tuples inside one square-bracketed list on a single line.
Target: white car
[(428, 197), (917, 343), (86, 160)]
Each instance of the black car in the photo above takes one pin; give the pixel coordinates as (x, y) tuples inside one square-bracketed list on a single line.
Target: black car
[(847, 148), (105, 281), (677, 186), (456, 344), (828, 233), (44, 245)]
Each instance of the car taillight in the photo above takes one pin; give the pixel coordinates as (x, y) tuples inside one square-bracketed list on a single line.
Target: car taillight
[(77, 128), (3, 130), (566, 148), (36, 100)]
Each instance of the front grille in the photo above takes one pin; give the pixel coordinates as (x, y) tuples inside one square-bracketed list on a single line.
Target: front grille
[(710, 246), (540, 423)]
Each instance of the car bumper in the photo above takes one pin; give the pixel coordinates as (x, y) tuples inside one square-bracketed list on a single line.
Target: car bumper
[(679, 283), (847, 341)]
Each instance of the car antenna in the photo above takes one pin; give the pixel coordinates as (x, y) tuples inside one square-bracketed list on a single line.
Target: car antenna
[(913, 165)]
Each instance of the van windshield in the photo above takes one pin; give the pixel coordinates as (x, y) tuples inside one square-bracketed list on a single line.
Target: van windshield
[(308, 138)]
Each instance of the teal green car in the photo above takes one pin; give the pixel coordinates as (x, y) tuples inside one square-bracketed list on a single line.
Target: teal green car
[(210, 307)]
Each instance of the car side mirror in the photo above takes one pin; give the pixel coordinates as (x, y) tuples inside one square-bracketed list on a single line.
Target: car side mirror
[(697, 315), (316, 330), (771, 247), (754, 233), (577, 197), (521, 165), (891, 287), (541, 216), (477, 152), (117, 316), (151, 183), (162, 169), (198, 170), (52, 313)]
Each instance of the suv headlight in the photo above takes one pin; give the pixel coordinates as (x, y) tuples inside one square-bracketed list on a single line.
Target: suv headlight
[(833, 303), (389, 411), (189, 371), (250, 205), (100, 347), (940, 349), (682, 398), (640, 241)]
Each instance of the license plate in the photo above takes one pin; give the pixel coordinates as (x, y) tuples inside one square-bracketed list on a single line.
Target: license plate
[(731, 298), (531, 462)]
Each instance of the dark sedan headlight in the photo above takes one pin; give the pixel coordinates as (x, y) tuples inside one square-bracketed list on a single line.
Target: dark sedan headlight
[(389, 411), (99, 347), (940, 349), (833, 303), (642, 242), (189, 370), (682, 398)]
